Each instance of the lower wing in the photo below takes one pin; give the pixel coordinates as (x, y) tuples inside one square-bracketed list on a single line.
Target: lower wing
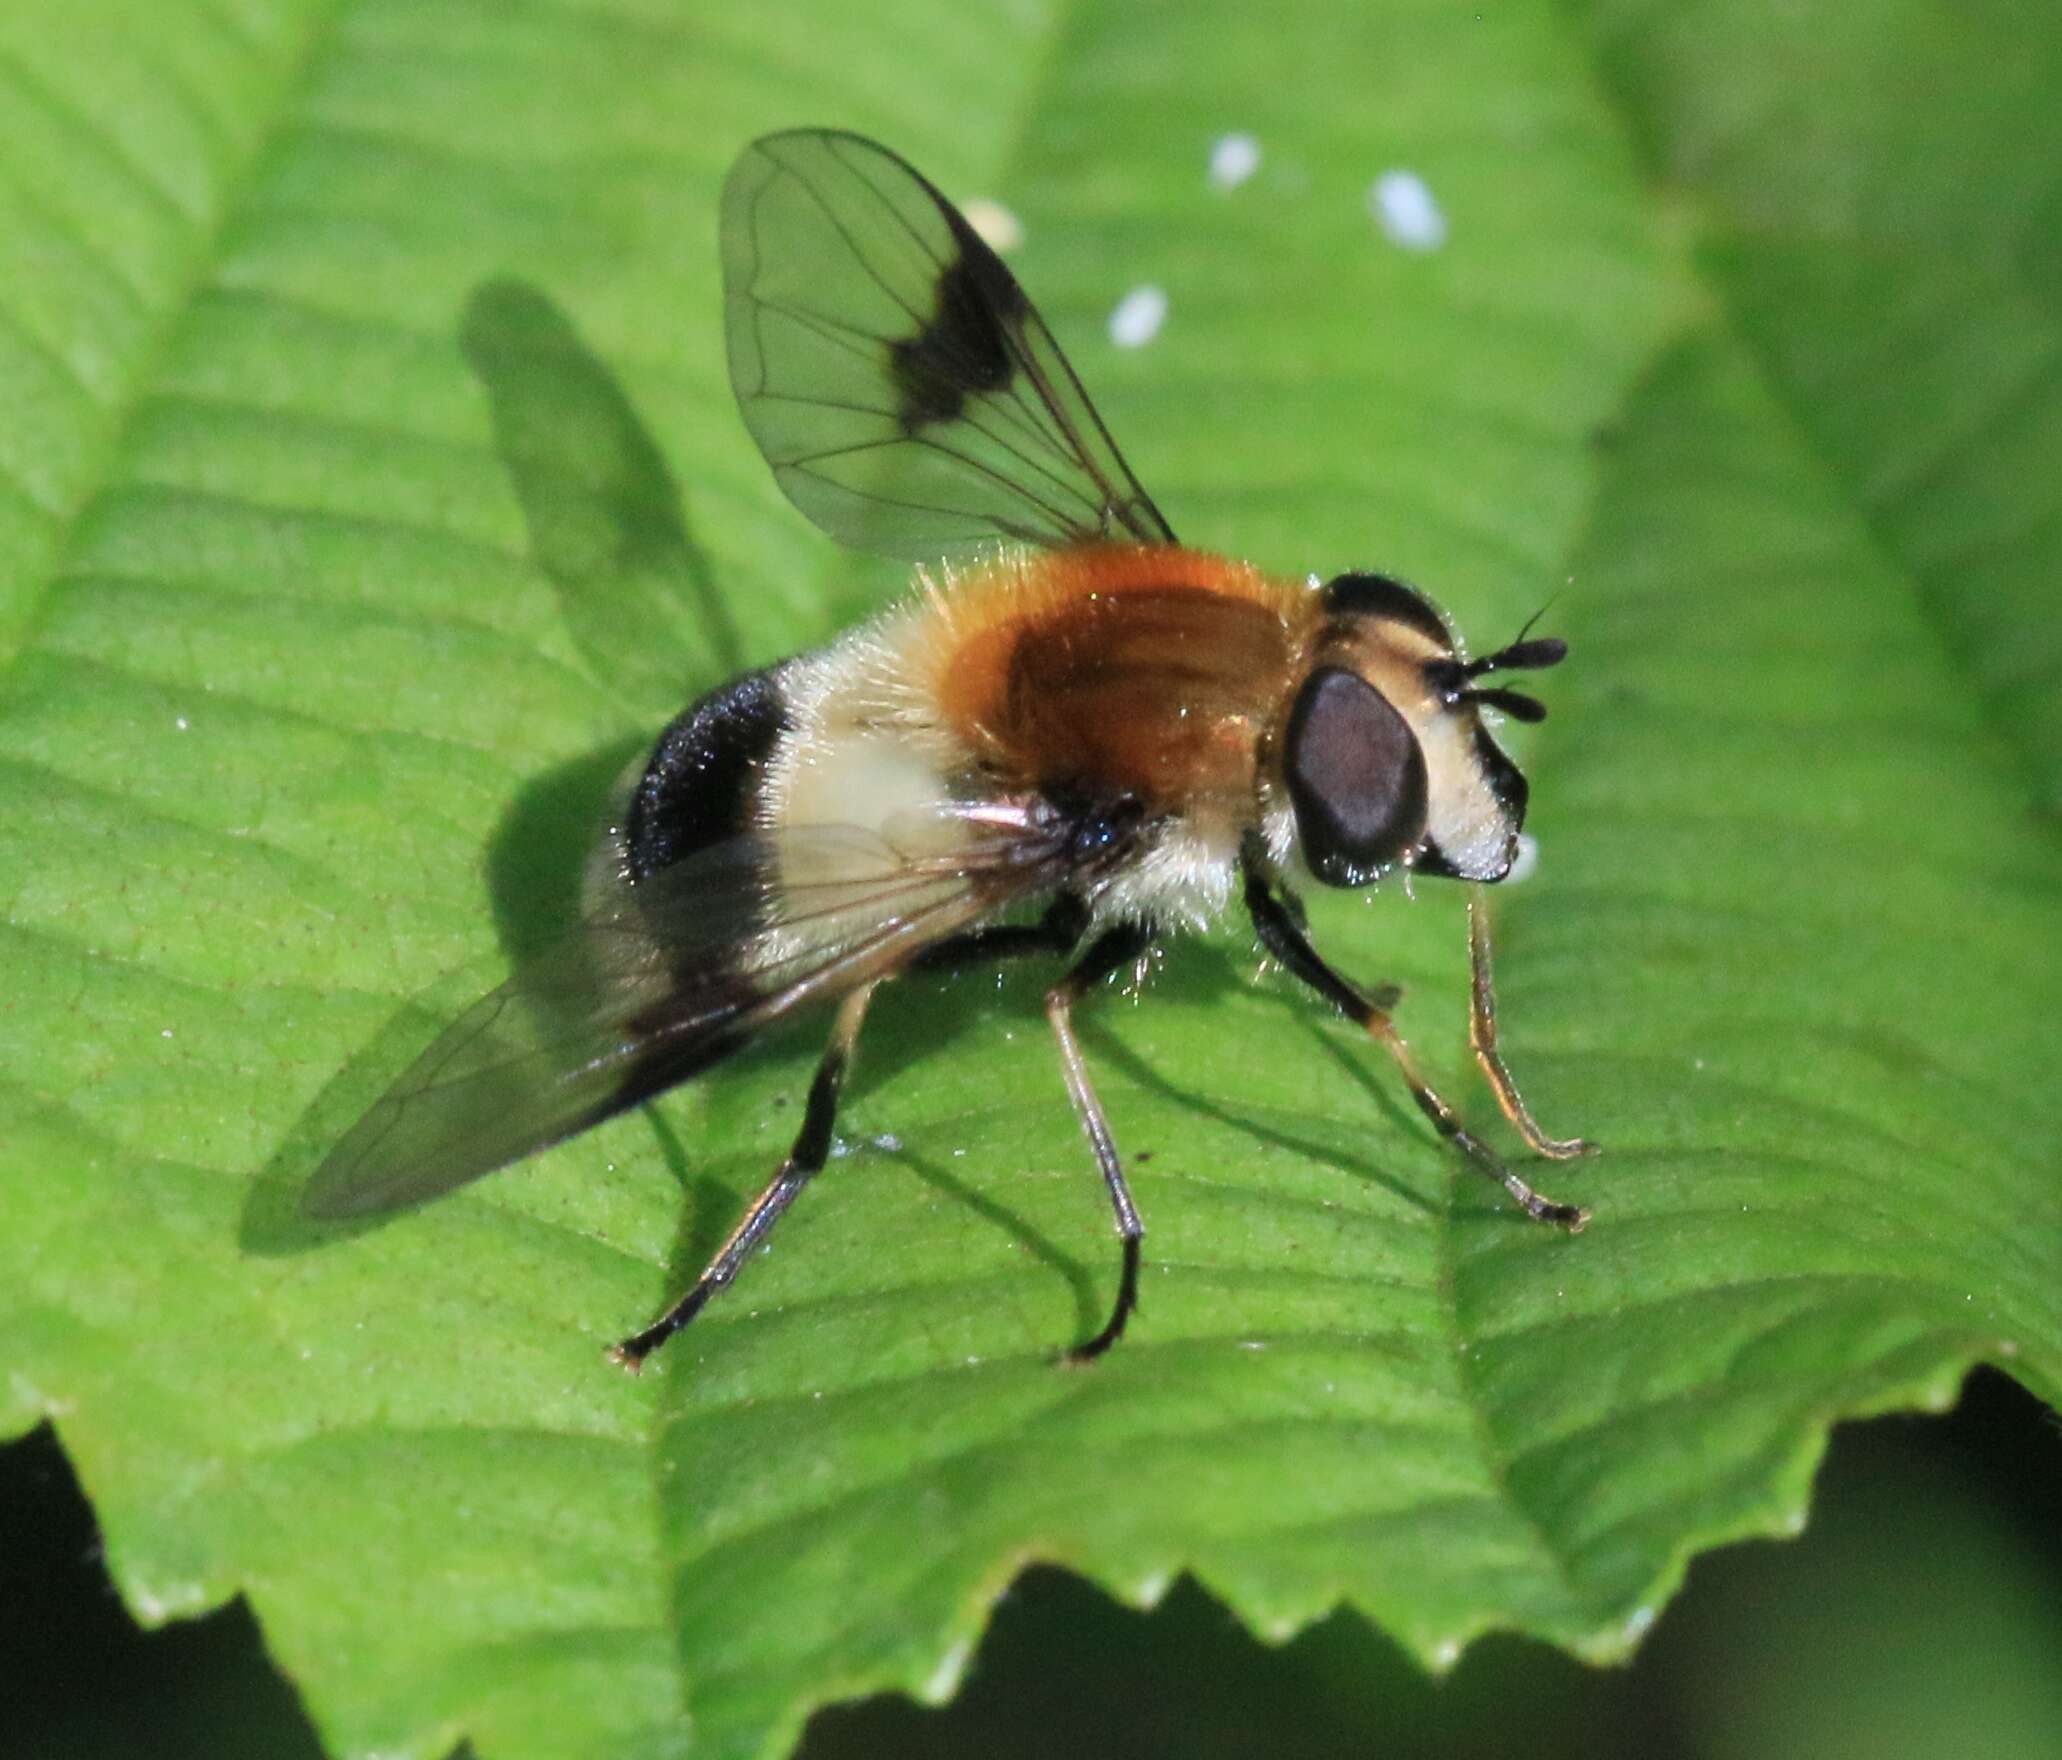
[(675, 972)]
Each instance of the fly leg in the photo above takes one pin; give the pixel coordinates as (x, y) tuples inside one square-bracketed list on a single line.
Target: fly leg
[(805, 1159), (1109, 952), (1056, 932), (1285, 940), (1482, 1036)]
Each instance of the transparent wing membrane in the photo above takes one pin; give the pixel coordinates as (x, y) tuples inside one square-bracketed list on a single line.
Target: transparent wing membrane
[(673, 974), (909, 398)]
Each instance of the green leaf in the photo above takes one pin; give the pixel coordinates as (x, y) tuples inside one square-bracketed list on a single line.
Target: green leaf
[(1880, 207), (369, 494)]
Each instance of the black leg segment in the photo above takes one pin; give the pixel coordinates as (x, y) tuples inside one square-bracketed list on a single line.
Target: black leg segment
[(805, 1160), (1110, 952), (1056, 933), (1284, 938)]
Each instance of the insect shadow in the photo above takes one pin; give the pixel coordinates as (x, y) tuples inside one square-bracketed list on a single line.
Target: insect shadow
[(606, 523), (535, 864), (604, 512), (1113, 1054), (607, 526)]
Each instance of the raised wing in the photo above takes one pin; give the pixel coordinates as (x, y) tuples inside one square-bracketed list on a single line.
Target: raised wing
[(675, 973), (910, 400)]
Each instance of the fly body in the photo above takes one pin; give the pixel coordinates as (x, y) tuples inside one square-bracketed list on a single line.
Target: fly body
[(1076, 738)]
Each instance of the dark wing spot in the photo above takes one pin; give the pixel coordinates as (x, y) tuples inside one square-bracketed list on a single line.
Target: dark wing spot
[(965, 347)]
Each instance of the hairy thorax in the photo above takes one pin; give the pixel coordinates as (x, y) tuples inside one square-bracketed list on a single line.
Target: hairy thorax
[(1149, 674)]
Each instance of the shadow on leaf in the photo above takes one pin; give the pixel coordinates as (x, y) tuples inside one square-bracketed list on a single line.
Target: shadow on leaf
[(605, 515)]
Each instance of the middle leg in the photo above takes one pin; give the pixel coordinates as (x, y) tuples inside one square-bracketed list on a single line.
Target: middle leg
[(1057, 932), (1109, 952)]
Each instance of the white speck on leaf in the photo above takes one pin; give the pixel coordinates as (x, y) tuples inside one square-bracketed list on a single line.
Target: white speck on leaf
[(1403, 205), (1233, 159), (1138, 317)]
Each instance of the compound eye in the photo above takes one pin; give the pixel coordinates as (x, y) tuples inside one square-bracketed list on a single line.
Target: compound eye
[(1356, 778)]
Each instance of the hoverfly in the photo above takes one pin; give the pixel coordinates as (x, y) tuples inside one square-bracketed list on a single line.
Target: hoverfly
[(1076, 737)]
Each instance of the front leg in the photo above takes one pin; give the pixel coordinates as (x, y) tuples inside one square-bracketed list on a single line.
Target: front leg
[(1482, 1037), (1284, 938)]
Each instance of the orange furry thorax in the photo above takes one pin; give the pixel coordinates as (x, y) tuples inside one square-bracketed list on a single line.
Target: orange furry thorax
[(1154, 672)]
